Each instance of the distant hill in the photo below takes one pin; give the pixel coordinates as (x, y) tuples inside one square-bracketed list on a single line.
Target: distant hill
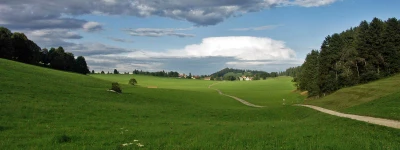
[(241, 72)]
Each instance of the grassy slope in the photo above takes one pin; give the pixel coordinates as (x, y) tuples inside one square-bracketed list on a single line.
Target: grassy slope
[(379, 99), (39, 105)]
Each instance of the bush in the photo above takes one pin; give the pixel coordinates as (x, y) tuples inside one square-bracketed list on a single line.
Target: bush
[(62, 139), (115, 87), (132, 81)]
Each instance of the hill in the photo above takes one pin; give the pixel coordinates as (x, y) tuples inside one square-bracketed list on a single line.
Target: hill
[(240, 72), (48, 109), (379, 99), (365, 53)]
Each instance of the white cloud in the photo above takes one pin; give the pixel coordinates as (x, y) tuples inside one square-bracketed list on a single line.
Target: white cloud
[(55, 33), (238, 47), (92, 26), (313, 3)]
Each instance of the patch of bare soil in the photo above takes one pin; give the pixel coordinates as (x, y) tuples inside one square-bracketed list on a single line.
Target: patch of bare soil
[(372, 120)]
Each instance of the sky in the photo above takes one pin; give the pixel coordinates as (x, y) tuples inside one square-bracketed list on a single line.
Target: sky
[(189, 36)]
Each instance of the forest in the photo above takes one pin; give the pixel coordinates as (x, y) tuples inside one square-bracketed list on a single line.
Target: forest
[(365, 53)]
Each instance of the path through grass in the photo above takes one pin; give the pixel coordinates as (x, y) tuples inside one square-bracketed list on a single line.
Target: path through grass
[(47, 109)]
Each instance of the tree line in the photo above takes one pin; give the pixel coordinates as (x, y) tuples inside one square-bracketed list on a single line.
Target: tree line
[(16, 46), (358, 55), (157, 73)]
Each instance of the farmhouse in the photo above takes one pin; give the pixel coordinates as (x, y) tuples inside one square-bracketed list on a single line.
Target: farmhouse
[(244, 78), (207, 78)]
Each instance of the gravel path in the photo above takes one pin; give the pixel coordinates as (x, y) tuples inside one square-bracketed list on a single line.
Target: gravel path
[(372, 120), (236, 98)]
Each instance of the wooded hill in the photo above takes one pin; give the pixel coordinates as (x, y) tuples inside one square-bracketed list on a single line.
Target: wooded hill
[(361, 54), (233, 74), (16, 46)]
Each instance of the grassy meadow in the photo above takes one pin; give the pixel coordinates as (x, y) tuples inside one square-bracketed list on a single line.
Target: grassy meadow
[(46, 109), (270, 92), (378, 99)]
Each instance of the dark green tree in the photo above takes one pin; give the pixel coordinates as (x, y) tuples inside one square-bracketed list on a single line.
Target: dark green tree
[(57, 58), (6, 45), (391, 48), (308, 79), (81, 66), (132, 81), (70, 62), (44, 56), (21, 50), (116, 71)]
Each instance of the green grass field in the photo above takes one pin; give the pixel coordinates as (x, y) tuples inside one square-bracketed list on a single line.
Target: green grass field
[(269, 92), (48, 109), (378, 99)]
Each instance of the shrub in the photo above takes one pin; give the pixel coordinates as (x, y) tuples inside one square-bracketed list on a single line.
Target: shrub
[(115, 87), (62, 139), (132, 81)]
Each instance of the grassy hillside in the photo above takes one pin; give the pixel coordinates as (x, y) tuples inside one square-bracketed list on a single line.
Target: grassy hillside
[(47, 109), (379, 98)]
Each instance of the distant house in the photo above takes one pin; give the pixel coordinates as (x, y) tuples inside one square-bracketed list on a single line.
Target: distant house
[(182, 76), (207, 78), (249, 78), (244, 78)]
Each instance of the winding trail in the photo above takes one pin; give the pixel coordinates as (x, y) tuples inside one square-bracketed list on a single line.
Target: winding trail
[(377, 121), (236, 98), (372, 120)]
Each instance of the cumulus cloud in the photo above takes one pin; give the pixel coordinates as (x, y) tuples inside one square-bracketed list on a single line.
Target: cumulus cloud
[(239, 47), (120, 40), (199, 12), (155, 32), (268, 27), (92, 27)]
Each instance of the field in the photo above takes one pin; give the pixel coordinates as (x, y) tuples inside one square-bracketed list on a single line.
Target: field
[(377, 99), (48, 109)]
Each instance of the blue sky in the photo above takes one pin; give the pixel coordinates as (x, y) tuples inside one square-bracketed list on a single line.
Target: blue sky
[(197, 36)]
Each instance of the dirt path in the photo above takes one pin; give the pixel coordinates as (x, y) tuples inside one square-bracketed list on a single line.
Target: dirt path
[(372, 120), (236, 98)]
